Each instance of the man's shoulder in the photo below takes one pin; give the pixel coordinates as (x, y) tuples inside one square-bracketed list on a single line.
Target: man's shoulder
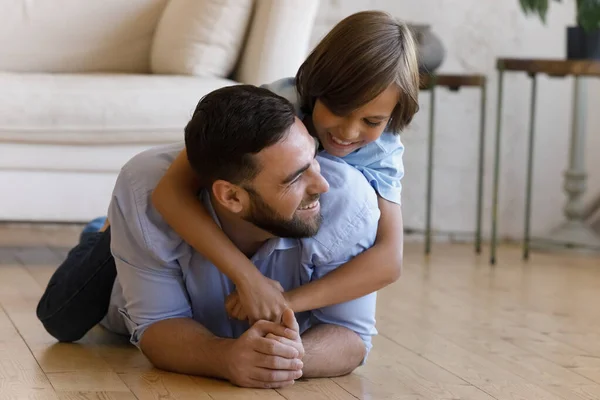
[(350, 212), (146, 168), (131, 202)]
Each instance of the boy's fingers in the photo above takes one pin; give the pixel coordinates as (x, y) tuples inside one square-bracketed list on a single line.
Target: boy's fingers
[(237, 310), (289, 320), (231, 301)]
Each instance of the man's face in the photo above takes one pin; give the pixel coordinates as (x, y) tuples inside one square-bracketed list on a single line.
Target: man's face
[(284, 195)]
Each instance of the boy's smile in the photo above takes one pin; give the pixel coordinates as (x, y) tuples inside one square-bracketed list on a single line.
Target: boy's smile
[(342, 135)]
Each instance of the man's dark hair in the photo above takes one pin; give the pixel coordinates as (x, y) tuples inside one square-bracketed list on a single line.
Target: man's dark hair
[(229, 126)]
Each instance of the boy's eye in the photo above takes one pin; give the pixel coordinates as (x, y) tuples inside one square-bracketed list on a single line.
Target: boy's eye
[(372, 123)]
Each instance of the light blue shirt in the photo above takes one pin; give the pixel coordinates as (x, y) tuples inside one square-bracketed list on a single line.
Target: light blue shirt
[(379, 161), (160, 276)]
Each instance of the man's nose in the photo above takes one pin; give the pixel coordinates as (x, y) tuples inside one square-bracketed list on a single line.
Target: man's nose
[(322, 184), (319, 184)]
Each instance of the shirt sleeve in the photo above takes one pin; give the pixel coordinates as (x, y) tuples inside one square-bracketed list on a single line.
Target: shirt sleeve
[(382, 165), (143, 272)]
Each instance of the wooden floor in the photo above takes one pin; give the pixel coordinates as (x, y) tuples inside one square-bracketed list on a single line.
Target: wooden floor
[(452, 328)]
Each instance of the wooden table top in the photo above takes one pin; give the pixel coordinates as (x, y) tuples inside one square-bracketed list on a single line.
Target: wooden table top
[(451, 81), (552, 67)]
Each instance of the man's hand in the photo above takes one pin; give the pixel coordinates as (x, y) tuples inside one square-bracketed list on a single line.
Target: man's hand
[(260, 362), (258, 299), (289, 321)]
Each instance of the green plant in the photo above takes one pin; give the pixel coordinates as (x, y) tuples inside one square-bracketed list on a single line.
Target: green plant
[(588, 11)]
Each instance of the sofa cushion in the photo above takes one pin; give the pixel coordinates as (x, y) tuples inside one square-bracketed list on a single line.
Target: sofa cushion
[(278, 40), (71, 36), (200, 37), (98, 108)]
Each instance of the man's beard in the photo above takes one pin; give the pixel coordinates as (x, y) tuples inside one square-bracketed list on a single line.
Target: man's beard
[(266, 218)]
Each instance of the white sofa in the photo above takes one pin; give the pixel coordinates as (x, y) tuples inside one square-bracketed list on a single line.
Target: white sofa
[(85, 85)]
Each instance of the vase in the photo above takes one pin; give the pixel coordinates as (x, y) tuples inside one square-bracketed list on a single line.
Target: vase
[(430, 50), (583, 45)]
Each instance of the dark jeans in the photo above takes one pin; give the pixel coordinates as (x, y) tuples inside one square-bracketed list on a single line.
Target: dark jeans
[(78, 294)]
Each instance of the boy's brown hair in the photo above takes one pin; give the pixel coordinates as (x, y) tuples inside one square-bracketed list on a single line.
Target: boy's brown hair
[(361, 56)]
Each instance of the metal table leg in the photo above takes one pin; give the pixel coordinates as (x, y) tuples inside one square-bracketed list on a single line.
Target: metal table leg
[(480, 171), (496, 168), (529, 167), (430, 170)]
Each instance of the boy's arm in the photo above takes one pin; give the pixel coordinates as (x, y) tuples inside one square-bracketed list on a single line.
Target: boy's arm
[(368, 272), (380, 265), (175, 198)]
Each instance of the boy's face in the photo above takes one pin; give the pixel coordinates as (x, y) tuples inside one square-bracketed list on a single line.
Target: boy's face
[(341, 135)]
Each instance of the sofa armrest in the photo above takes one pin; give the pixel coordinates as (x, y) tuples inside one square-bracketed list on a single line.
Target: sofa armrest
[(278, 40)]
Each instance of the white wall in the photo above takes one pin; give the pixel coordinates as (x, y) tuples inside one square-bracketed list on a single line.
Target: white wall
[(475, 33)]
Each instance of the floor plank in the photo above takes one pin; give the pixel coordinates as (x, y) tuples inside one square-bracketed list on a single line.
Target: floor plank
[(87, 381), (20, 374), (220, 390), (37, 256), (32, 234), (8, 255), (96, 396), (163, 386), (392, 370), (317, 389), (452, 328)]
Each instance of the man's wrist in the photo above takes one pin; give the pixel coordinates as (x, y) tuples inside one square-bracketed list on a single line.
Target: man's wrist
[(222, 364)]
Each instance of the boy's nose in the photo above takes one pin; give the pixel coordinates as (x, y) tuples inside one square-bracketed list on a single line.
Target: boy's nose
[(350, 135)]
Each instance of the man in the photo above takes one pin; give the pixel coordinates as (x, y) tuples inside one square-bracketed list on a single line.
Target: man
[(266, 191)]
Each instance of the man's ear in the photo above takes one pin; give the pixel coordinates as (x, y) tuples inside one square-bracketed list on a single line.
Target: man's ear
[(229, 195)]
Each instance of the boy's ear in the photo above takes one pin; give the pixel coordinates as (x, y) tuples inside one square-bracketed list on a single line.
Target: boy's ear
[(229, 195)]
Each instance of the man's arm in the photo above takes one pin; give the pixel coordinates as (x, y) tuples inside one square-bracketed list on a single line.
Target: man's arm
[(331, 350), (157, 309), (184, 346)]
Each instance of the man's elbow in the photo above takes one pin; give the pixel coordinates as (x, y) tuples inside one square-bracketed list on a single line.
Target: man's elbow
[(148, 349), (151, 346), (356, 356)]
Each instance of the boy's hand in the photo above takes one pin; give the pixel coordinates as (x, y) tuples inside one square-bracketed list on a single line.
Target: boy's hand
[(260, 299)]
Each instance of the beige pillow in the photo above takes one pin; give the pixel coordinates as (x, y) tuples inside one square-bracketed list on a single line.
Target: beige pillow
[(200, 37), (73, 36)]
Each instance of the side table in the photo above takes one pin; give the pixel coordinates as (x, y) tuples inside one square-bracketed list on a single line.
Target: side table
[(575, 176), (454, 82)]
